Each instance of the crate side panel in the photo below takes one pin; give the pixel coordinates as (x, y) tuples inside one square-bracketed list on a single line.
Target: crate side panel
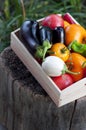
[(73, 92)]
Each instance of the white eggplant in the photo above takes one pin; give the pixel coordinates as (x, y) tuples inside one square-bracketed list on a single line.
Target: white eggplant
[(54, 66)]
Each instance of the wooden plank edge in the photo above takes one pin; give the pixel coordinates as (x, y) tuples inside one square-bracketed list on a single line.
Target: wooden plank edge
[(73, 92)]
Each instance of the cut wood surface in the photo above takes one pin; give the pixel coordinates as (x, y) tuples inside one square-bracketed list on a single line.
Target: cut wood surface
[(24, 105)]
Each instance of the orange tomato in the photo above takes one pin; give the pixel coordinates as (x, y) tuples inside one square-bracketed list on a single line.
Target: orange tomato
[(66, 23), (61, 51), (75, 32), (74, 64)]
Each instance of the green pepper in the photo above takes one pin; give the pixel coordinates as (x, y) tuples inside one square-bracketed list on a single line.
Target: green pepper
[(78, 47)]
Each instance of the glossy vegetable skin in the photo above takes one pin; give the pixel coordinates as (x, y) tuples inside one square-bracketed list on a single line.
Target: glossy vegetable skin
[(53, 21), (75, 32), (79, 48), (63, 81), (68, 18), (84, 69), (55, 66), (66, 24), (30, 32), (84, 72), (53, 35), (75, 64), (45, 33), (58, 35), (61, 51)]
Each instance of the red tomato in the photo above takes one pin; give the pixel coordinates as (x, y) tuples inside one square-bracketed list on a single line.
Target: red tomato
[(84, 72), (63, 81), (84, 69), (53, 21)]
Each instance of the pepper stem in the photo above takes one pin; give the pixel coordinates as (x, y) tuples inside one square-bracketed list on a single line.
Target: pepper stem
[(63, 50)]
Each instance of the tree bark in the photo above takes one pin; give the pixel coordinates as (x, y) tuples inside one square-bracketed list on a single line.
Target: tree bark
[(24, 105)]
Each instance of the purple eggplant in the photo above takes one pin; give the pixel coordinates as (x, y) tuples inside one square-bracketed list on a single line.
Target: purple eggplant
[(58, 35), (29, 31), (45, 34)]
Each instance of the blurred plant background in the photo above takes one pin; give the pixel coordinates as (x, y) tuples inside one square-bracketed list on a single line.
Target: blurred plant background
[(13, 13)]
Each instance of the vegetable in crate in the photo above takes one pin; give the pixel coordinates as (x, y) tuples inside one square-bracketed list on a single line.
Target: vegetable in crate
[(53, 21), (66, 24), (74, 63), (75, 32), (58, 35), (69, 18), (84, 72), (63, 81), (45, 33), (77, 47), (60, 50), (55, 66), (30, 32), (84, 69)]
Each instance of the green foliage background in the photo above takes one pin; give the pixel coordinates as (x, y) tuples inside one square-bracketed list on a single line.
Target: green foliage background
[(13, 13)]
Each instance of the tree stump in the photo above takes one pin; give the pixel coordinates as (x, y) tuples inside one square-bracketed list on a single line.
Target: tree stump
[(24, 105)]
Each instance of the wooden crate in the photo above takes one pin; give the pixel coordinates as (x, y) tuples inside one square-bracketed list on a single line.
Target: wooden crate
[(59, 97)]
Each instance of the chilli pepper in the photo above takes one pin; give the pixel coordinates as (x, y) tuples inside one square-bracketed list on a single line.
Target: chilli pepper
[(30, 33), (58, 35), (45, 33), (78, 47)]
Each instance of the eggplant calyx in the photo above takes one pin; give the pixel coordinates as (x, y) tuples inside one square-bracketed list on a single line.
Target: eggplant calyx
[(42, 50), (65, 70)]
